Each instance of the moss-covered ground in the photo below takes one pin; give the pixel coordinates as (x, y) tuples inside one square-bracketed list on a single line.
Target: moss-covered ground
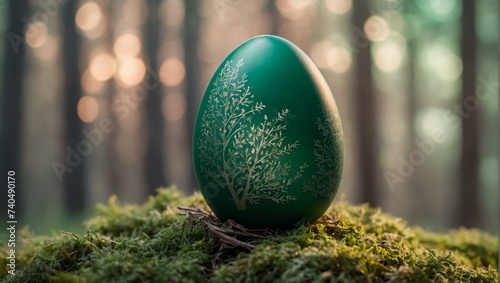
[(155, 243)]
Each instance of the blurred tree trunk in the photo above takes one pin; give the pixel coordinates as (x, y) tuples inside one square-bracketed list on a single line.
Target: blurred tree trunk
[(74, 182), (468, 210), (365, 108), (276, 17), (12, 101), (155, 166), (111, 140), (193, 91), (414, 183)]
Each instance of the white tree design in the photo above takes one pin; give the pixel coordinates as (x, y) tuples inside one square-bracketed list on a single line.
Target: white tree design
[(324, 155), (239, 156)]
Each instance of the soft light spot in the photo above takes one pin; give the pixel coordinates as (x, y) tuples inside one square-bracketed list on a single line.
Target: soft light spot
[(376, 28), (318, 53), (449, 67), (90, 84), (132, 71), (172, 72), (171, 12), (102, 66), (338, 6), (87, 108), (292, 9), (442, 10), (49, 49), (36, 34), (388, 56), (442, 7), (430, 119), (88, 16), (174, 106), (299, 4), (126, 46), (440, 59), (97, 31), (338, 59)]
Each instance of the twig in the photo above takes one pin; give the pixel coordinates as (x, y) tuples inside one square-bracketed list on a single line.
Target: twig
[(228, 239), (229, 234)]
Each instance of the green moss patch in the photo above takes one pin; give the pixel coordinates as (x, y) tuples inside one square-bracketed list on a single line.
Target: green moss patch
[(155, 242)]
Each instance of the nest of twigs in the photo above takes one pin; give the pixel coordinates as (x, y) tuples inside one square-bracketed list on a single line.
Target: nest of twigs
[(230, 234)]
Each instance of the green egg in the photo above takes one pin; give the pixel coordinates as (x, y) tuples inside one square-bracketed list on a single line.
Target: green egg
[(267, 146)]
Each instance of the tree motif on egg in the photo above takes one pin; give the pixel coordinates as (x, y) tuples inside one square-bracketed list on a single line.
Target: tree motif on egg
[(239, 156)]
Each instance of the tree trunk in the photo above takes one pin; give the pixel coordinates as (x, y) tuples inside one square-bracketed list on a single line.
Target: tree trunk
[(111, 142), (468, 210), (276, 16), (12, 102), (365, 108), (414, 181), (191, 34), (155, 166), (74, 182)]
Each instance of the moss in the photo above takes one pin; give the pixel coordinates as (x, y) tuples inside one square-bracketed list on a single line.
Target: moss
[(152, 242)]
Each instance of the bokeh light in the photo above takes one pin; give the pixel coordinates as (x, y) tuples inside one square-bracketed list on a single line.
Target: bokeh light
[(102, 66), (339, 59), (88, 16), (442, 10), (87, 109), (36, 34), (319, 49), (127, 45), (174, 106), (376, 28), (428, 120), (172, 12), (449, 67), (339, 6), (331, 56), (91, 20), (388, 56), (98, 30), (299, 4), (172, 72), (90, 84), (439, 58), (131, 72), (135, 11), (49, 48), (292, 9)]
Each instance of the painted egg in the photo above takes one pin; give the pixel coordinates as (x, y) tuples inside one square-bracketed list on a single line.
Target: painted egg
[(267, 146)]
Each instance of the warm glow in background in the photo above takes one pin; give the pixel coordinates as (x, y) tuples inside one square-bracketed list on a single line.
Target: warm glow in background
[(113, 63)]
